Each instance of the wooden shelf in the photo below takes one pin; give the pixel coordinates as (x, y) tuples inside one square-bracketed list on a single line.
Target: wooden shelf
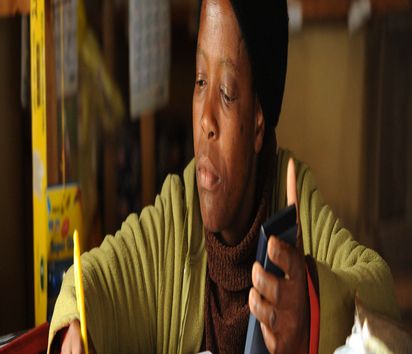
[(312, 9), (13, 7), (338, 9)]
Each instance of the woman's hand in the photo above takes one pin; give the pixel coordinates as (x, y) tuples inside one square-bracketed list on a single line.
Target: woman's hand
[(281, 304), (72, 341)]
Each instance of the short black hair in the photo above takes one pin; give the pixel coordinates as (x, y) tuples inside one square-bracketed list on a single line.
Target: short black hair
[(264, 28)]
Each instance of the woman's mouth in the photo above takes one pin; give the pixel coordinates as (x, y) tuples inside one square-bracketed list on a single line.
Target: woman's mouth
[(207, 176)]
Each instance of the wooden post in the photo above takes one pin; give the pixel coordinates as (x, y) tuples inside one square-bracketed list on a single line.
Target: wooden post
[(109, 143), (147, 141), (51, 102)]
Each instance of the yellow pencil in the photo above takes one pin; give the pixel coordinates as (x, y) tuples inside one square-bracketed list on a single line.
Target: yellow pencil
[(78, 282)]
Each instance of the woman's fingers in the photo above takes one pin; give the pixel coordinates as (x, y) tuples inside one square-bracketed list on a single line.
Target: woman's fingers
[(266, 284), (292, 198), (262, 310), (72, 342), (271, 341), (282, 255), (291, 192), (281, 304)]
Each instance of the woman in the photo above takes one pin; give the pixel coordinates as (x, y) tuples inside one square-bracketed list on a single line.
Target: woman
[(181, 276)]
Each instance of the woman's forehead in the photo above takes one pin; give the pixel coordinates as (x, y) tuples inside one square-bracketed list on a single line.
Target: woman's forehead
[(219, 34)]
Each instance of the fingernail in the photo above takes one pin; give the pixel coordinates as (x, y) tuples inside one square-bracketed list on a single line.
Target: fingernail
[(263, 328), (254, 272), (254, 301), (256, 275), (258, 280), (272, 319), (274, 250)]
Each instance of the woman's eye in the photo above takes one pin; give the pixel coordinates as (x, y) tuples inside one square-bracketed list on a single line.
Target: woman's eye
[(201, 83), (226, 97)]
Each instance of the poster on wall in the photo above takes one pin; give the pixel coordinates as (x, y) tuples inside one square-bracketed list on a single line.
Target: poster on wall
[(149, 55), (65, 41)]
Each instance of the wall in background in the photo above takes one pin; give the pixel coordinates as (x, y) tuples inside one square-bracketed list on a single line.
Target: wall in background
[(352, 135), (321, 120)]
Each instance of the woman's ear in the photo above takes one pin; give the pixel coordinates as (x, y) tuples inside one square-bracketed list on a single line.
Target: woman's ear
[(259, 126)]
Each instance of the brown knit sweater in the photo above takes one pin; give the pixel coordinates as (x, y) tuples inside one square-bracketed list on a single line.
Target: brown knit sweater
[(228, 281)]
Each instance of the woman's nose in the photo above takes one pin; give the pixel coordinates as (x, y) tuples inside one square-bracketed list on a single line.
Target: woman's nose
[(208, 121)]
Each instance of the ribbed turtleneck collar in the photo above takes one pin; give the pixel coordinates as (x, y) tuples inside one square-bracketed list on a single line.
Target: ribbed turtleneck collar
[(230, 266)]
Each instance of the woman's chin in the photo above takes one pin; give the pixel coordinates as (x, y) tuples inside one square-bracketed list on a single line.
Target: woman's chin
[(210, 225), (210, 220)]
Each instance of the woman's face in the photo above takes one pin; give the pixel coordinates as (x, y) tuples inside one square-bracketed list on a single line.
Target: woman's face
[(228, 124)]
